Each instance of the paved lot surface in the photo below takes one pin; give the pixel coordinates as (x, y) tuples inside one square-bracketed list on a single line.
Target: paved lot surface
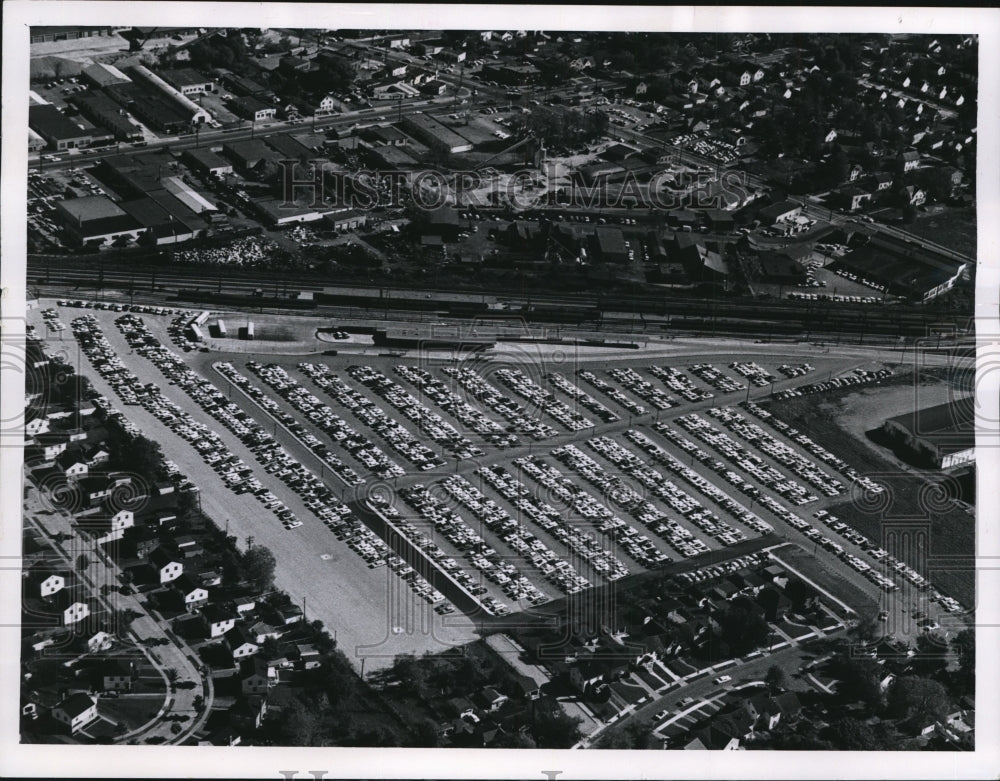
[(374, 613)]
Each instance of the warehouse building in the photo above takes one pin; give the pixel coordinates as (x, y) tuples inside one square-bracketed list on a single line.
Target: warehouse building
[(252, 108), (104, 112), (435, 134), (151, 108), (195, 114), (153, 217), (96, 218), (942, 436), (188, 81), (511, 75), (206, 161), (58, 131), (101, 75), (35, 142)]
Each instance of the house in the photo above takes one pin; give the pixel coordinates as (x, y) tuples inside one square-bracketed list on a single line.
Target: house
[(188, 546), (248, 713), (912, 195), (72, 463), (244, 605), (71, 604), (117, 675), (167, 566), (526, 688), (490, 699), (96, 642), (909, 160), (852, 197), (218, 620), (253, 676), (774, 603), (241, 642), (290, 614), (44, 581), (95, 455), (193, 594), (75, 711), (261, 631), (855, 172), (105, 526), (882, 181)]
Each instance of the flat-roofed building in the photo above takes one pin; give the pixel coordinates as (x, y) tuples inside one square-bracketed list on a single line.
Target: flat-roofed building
[(207, 162), (57, 129), (96, 218), (437, 135), (943, 435), (188, 81)]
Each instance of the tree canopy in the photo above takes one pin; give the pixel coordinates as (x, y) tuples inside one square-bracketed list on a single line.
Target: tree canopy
[(258, 567)]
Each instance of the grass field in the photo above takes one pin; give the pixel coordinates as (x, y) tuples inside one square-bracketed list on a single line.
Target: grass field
[(911, 500)]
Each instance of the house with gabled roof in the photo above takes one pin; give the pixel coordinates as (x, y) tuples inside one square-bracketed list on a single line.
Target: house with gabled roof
[(76, 711), (218, 620), (167, 566)]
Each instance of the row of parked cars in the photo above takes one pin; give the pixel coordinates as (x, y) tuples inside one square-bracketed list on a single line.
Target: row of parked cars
[(720, 570), (695, 512), (320, 415), (276, 378), (555, 569), (526, 388), (52, 322), (377, 419), (757, 374), (858, 377), (583, 398), (453, 403), (109, 306), (749, 462), (617, 492), (645, 390), (796, 370), (519, 418), (237, 476), (613, 393), (680, 383), (824, 455), (652, 517), (583, 544), (429, 423), (476, 551), (707, 373), (785, 455)]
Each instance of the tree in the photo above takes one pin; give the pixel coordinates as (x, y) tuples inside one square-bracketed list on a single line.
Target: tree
[(775, 678), (172, 674), (964, 646), (198, 703), (917, 700), (930, 658), (554, 729), (82, 562), (742, 627), (258, 567), (270, 648), (851, 734)]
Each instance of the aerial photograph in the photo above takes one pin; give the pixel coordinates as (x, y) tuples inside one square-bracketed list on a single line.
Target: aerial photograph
[(503, 388)]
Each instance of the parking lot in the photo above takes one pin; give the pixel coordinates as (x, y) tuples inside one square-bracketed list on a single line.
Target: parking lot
[(507, 486)]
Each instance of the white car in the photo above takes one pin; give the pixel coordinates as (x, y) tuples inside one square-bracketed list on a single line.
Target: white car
[(723, 679)]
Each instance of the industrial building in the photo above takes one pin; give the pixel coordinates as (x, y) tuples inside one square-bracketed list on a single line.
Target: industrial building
[(101, 75), (435, 134), (207, 162), (252, 108), (188, 81), (96, 218), (59, 132), (942, 436), (104, 112), (195, 114), (150, 107)]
